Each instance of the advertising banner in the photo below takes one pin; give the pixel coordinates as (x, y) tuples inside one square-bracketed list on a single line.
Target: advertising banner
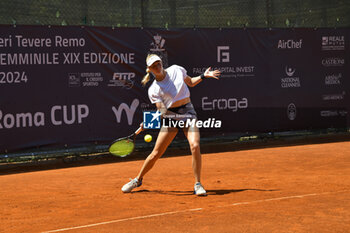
[(79, 85)]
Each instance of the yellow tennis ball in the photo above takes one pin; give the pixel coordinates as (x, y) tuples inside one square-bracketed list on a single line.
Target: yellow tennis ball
[(148, 138)]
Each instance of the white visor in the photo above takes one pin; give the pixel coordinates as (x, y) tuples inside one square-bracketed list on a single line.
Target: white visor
[(152, 60)]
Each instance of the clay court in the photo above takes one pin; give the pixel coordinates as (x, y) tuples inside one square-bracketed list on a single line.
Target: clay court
[(302, 188)]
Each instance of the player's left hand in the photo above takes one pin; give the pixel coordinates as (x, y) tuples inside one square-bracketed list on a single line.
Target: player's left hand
[(212, 73)]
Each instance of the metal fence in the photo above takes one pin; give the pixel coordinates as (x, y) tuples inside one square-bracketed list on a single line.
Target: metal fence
[(178, 13)]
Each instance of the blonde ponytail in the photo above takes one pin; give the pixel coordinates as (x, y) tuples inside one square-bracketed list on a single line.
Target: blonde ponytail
[(146, 78)]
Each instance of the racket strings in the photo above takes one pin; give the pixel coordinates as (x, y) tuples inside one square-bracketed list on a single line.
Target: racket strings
[(122, 147)]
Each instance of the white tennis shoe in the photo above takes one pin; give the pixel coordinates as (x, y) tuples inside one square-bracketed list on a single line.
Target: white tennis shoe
[(134, 183), (199, 190)]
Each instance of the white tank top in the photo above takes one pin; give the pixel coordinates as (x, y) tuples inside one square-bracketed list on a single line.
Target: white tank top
[(171, 89)]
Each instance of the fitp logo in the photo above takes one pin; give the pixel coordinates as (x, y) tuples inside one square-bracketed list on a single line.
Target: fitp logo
[(151, 120)]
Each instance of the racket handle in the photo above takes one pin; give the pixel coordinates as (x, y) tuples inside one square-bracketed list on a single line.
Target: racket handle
[(139, 130)]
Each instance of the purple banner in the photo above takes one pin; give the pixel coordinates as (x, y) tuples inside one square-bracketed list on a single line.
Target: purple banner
[(78, 85)]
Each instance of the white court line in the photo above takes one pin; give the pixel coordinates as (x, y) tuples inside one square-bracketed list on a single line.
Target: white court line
[(122, 220), (279, 198), (192, 210)]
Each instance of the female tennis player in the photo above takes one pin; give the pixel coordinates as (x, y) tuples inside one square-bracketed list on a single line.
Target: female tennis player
[(170, 93)]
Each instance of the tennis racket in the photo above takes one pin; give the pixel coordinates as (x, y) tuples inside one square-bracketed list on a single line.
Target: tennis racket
[(124, 146)]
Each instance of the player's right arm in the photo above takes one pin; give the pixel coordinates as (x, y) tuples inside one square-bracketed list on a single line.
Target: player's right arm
[(193, 81)]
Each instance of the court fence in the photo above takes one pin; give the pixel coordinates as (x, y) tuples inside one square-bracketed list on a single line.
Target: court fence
[(178, 13)]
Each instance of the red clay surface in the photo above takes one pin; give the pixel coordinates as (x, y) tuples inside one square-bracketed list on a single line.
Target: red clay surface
[(284, 189)]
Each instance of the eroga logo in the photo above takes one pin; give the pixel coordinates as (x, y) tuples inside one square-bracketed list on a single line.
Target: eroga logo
[(232, 104), (223, 54), (291, 112), (130, 111)]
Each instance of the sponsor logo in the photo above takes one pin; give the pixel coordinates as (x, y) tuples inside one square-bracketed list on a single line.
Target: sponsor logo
[(290, 81), (223, 54), (148, 107), (232, 104), (90, 79), (289, 44), (333, 42), (230, 72), (158, 44), (291, 111), (151, 120), (122, 79), (333, 113), (158, 47), (333, 61), (289, 71), (334, 97), (333, 79), (328, 113), (73, 80), (130, 111), (343, 113)]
